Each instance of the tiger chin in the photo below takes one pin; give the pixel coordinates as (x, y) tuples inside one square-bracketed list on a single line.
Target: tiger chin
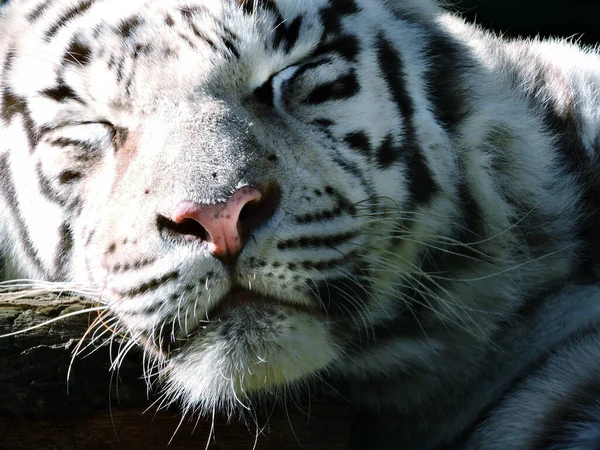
[(266, 194), (247, 351)]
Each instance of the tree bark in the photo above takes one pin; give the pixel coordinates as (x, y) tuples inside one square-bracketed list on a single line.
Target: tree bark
[(102, 409)]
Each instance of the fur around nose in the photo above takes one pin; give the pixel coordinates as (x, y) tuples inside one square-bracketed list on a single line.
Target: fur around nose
[(220, 220)]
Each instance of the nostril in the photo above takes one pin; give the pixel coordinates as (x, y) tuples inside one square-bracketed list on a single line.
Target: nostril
[(187, 228), (190, 227), (250, 209), (257, 212)]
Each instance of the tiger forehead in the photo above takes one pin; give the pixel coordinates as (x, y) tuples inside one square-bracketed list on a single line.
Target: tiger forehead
[(209, 44), (210, 29), (217, 30), (180, 50)]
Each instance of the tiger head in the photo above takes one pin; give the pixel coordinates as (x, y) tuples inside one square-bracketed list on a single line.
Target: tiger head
[(250, 187)]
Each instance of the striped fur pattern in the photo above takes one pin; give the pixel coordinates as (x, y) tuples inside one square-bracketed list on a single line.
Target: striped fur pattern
[(434, 246)]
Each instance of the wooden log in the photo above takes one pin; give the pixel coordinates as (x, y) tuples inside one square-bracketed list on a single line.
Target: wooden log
[(102, 410)]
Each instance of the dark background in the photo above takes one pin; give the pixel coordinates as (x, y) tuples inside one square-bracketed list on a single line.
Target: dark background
[(566, 18)]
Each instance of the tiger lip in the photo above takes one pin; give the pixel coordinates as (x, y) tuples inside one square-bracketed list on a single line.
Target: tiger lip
[(241, 297), (237, 297)]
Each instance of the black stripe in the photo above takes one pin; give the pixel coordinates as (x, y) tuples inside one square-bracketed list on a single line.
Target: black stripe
[(127, 27), (448, 64), (169, 21), (473, 228), (312, 264), (146, 49), (131, 76), (67, 17), (351, 168), (231, 47), (64, 249), (188, 12), (331, 15), (264, 94), (279, 29), (69, 176), (7, 190), (316, 241), (305, 67), (325, 214), (13, 105), (347, 46), (8, 62), (120, 67), (342, 88), (77, 53), (40, 9), (230, 39), (126, 267), (250, 7), (10, 103), (187, 40), (387, 153), (286, 32), (202, 36), (62, 93), (3, 265), (356, 171), (292, 33), (89, 148), (147, 310), (230, 34), (282, 32), (46, 188), (343, 163), (150, 285), (359, 141), (188, 15), (420, 180), (324, 124)]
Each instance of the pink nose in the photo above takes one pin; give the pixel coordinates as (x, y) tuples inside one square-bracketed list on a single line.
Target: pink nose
[(222, 221)]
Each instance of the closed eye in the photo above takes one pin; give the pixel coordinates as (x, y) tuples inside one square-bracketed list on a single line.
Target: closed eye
[(264, 93), (271, 92), (89, 138)]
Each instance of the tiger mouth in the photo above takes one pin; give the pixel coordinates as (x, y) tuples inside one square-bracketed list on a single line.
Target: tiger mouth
[(167, 340), (240, 297)]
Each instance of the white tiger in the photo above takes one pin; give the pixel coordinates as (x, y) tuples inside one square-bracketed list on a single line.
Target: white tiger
[(270, 193)]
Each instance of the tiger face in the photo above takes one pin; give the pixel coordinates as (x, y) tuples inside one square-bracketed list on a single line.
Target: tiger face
[(206, 167), (264, 192)]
